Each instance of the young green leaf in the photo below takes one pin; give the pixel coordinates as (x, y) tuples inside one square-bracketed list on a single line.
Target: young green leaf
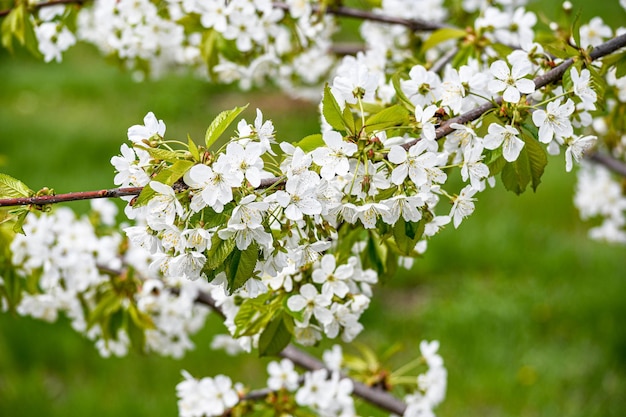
[(161, 154), (395, 115), (332, 111), (442, 35), (220, 124), (241, 266), (537, 160), (166, 176), (310, 142), (13, 188), (220, 249), (277, 334), (193, 149), (407, 234)]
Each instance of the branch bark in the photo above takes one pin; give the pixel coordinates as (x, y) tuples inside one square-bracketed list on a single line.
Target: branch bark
[(609, 162), (60, 198), (413, 24)]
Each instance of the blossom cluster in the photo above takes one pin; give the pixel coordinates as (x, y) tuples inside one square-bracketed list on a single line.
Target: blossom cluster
[(289, 43), (325, 391), (79, 264)]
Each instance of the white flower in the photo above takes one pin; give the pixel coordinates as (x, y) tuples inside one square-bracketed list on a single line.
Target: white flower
[(505, 136), (419, 163), (582, 87), (554, 121), (463, 205), (423, 86), (333, 280), (312, 303), (151, 127), (282, 375), (405, 206), (423, 119), (129, 171), (333, 157), (473, 169), (215, 185), (205, 397), (354, 82), (246, 161), (163, 207), (511, 81), (368, 214), (594, 33), (576, 148), (299, 197), (187, 265)]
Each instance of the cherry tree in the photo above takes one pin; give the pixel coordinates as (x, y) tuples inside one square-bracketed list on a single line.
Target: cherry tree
[(286, 241)]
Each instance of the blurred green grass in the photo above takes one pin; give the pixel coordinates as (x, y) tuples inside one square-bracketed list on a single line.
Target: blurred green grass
[(529, 311)]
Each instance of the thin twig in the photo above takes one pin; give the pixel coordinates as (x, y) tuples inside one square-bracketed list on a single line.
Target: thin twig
[(60, 198), (413, 24)]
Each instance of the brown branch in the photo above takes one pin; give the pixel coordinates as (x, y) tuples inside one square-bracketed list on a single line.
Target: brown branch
[(60, 198), (47, 4), (413, 24), (549, 77), (375, 396), (609, 162)]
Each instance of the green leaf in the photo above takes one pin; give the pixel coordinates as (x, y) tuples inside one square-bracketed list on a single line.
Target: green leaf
[(528, 168), (13, 188), (310, 142), (397, 85), (136, 334), (576, 29), (407, 234), (142, 320), (395, 115), (442, 35), (167, 176), (193, 149), (464, 54), (277, 335), (375, 254), (220, 124), (108, 304), (241, 266), (18, 227), (208, 49), (13, 26), (331, 110), (161, 154), (496, 166), (220, 249), (537, 159), (501, 49), (348, 120)]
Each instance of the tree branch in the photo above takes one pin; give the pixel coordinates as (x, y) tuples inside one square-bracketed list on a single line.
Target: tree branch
[(80, 195), (47, 4), (609, 162), (413, 24), (549, 77), (375, 396)]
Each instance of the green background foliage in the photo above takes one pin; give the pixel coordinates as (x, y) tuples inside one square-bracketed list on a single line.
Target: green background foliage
[(528, 310)]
